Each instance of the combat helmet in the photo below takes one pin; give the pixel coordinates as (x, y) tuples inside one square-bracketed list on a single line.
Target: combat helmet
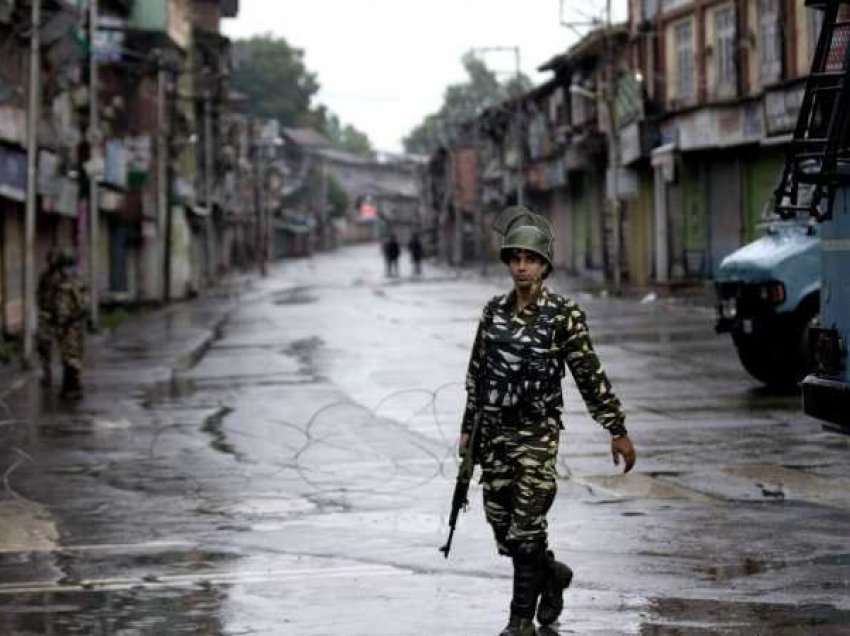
[(60, 259), (523, 229)]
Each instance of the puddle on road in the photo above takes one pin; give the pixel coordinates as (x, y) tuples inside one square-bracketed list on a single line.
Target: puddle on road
[(839, 560), (651, 337), (174, 389), (680, 617), (135, 611), (295, 296), (638, 485), (304, 351), (67, 426), (745, 567)]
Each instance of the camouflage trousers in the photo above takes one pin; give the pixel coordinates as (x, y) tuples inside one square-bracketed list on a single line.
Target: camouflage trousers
[(70, 340), (519, 478)]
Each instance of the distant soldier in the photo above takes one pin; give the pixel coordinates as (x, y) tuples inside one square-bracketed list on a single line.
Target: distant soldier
[(526, 339), (61, 316), (415, 247), (392, 250)]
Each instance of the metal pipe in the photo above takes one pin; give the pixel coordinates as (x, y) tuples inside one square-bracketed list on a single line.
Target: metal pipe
[(95, 153), (208, 179), (520, 185), (162, 185), (32, 178)]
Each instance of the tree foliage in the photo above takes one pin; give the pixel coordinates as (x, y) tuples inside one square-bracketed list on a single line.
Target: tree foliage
[(273, 77), (463, 102), (347, 136), (278, 85)]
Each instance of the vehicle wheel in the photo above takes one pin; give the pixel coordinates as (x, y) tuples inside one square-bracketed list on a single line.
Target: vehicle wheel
[(765, 363), (784, 361)]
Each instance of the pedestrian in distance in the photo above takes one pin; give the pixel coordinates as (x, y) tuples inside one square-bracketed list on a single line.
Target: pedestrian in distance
[(414, 245), (392, 251), (61, 316), (525, 341)]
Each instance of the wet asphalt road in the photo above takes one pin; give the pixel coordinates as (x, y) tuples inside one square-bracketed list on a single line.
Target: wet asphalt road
[(278, 459)]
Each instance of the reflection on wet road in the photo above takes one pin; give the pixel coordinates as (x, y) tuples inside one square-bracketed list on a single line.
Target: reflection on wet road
[(279, 459)]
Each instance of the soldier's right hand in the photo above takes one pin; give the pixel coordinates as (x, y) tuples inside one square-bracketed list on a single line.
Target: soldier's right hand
[(622, 446)]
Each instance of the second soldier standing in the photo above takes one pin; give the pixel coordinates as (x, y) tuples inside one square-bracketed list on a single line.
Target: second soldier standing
[(61, 317)]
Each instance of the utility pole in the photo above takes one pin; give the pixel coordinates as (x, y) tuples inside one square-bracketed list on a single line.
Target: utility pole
[(520, 186), (95, 161), (162, 185), (608, 95), (457, 180), (323, 203), (258, 200), (448, 175), (614, 151), (208, 182), (480, 230), (32, 178)]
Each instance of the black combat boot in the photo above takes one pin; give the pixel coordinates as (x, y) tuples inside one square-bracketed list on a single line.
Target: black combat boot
[(528, 561), (557, 577), (71, 387), (519, 626), (46, 376)]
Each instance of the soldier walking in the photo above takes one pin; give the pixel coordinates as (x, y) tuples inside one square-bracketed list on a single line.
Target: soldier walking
[(392, 250), (61, 314), (524, 342), (415, 247)]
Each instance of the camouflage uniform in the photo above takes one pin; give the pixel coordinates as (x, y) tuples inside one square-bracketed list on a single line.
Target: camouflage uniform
[(514, 386), (61, 310), (518, 361), (45, 297)]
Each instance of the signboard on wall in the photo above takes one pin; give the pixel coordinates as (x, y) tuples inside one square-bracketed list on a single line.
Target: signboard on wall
[(13, 174), (718, 127), (367, 211), (781, 108)]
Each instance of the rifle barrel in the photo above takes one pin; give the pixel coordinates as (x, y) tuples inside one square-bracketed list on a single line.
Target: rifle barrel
[(445, 549)]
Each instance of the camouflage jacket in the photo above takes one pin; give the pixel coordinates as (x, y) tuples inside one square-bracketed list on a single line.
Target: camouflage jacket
[(48, 285), (70, 301), (519, 359), (61, 299)]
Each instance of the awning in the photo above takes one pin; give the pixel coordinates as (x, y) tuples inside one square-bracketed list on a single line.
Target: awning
[(13, 173), (295, 223)]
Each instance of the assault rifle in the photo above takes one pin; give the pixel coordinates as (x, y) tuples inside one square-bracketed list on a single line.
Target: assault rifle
[(464, 476)]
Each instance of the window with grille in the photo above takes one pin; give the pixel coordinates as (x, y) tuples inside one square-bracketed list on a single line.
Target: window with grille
[(683, 35), (726, 76), (837, 52), (770, 42)]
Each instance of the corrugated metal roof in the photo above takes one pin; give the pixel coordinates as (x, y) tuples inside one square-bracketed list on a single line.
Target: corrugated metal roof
[(306, 137), (343, 156)]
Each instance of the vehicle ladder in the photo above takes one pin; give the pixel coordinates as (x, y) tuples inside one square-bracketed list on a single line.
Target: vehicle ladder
[(818, 156)]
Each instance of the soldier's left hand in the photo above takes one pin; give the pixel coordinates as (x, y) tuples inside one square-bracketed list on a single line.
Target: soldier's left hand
[(623, 447)]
